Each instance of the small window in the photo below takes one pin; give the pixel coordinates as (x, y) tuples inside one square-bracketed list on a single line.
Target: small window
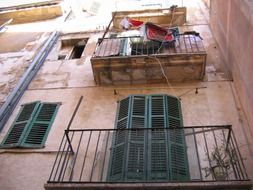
[(31, 126), (72, 48), (77, 51), (148, 155)]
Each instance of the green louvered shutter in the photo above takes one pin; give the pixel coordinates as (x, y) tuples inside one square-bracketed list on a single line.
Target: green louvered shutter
[(174, 112), (158, 150), (136, 159), (150, 155), (119, 144), (36, 135), (178, 161), (18, 129)]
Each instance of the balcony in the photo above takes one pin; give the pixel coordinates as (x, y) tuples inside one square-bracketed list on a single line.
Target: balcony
[(205, 157), (130, 60)]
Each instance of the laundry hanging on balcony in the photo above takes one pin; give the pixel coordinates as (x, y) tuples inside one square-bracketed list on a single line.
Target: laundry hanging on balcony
[(151, 31), (127, 23)]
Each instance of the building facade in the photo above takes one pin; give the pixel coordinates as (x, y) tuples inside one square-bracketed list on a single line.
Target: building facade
[(69, 132)]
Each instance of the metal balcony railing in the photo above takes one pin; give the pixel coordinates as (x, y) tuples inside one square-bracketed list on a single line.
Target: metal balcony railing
[(135, 46), (88, 155)]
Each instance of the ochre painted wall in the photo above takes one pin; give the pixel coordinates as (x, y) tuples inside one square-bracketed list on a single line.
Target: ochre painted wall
[(231, 22)]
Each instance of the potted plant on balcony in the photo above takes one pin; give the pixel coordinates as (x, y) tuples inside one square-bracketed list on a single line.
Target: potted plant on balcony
[(221, 159)]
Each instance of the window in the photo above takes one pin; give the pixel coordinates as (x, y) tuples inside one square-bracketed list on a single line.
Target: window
[(72, 48), (31, 126), (148, 155), (77, 51), (147, 48)]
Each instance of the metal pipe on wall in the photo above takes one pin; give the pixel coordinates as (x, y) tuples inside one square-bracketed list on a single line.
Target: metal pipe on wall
[(13, 98)]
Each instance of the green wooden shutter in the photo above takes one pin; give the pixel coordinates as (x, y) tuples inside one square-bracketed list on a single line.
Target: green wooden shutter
[(136, 152), (19, 127), (158, 150), (119, 144), (174, 112), (36, 135), (178, 161), (152, 155)]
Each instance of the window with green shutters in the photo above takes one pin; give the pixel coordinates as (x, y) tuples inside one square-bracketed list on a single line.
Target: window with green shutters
[(31, 127), (156, 154)]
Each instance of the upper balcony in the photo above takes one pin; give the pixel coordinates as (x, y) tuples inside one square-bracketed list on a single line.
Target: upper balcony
[(205, 157), (130, 60)]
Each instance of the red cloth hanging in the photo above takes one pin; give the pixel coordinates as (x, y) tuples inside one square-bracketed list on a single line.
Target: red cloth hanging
[(157, 33), (135, 23)]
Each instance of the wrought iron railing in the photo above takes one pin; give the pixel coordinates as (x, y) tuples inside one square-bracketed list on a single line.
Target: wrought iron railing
[(136, 46), (86, 155)]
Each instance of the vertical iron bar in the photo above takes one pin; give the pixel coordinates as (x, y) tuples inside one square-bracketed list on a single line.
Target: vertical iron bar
[(95, 156), (98, 48), (77, 151), (84, 159), (59, 163), (63, 163), (196, 44), (107, 139), (75, 111), (229, 136), (234, 169), (216, 146), (106, 44), (185, 45), (108, 27), (189, 38), (240, 162), (240, 155), (237, 162), (179, 43), (56, 158), (207, 150), (197, 151), (70, 122), (68, 156), (111, 45), (70, 145)]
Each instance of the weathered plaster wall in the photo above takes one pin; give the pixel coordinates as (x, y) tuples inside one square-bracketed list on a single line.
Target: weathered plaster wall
[(15, 58), (23, 169), (232, 25)]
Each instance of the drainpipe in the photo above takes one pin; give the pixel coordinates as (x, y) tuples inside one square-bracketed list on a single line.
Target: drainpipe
[(14, 97)]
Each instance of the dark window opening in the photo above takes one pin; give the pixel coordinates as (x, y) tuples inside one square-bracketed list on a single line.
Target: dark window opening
[(77, 52), (147, 48), (72, 48), (61, 57)]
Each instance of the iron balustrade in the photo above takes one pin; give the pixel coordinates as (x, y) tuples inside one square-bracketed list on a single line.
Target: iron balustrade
[(136, 46), (84, 154)]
